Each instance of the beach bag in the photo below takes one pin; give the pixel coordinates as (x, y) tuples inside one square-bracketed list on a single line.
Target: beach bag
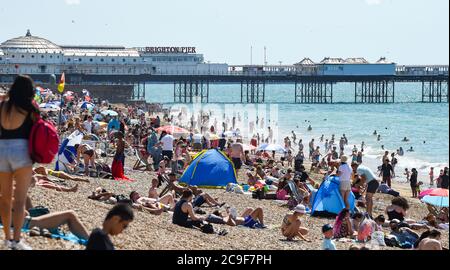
[(258, 194), (391, 241), (207, 228), (43, 142), (38, 211), (378, 238)]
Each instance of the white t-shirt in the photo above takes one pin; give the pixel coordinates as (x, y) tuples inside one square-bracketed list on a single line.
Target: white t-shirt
[(346, 172), (167, 143), (88, 126), (363, 170)]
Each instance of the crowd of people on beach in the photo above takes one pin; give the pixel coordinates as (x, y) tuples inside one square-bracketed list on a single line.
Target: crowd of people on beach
[(127, 131)]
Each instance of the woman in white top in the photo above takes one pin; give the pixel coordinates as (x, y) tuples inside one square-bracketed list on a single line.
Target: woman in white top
[(345, 173)]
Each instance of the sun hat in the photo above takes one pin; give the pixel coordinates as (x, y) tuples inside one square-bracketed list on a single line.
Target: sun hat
[(344, 159), (300, 208)]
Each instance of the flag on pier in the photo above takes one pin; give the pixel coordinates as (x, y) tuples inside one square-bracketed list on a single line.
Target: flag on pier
[(62, 82)]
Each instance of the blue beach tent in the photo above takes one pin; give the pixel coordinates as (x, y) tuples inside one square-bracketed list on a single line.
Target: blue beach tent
[(210, 168), (328, 200)]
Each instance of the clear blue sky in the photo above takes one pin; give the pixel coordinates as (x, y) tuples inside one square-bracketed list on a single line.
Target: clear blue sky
[(405, 31)]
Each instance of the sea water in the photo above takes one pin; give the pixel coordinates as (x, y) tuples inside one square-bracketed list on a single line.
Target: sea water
[(426, 125)]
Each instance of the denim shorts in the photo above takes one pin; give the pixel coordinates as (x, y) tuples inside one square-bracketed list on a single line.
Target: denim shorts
[(14, 155)]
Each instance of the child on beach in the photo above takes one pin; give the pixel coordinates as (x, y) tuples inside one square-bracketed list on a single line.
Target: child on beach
[(327, 243), (291, 224), (117, 220), (431, 174), (407, 173)]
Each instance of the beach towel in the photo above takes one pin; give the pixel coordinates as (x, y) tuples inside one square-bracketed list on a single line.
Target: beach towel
[(117, 171), (57, 234)]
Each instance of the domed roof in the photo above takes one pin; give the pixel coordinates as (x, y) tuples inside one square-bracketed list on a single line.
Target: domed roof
[(30, 44)]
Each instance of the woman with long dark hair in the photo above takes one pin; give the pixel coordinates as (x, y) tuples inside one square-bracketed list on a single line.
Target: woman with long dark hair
[(16, 122)]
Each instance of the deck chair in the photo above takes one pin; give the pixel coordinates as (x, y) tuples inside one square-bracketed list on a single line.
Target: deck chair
[(141, 163), (164, 180), (293, 191)]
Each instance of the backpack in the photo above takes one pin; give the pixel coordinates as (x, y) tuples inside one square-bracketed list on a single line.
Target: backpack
[(207, 228), (38, 211), (43, 142)]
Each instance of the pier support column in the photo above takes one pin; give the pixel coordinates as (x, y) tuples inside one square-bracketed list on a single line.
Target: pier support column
[(253, 91), (382, 91), (313, 92), (138, 91), (191, 91), (435, 91)]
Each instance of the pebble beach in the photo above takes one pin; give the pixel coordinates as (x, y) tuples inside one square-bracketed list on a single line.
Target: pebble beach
[(151, 232)]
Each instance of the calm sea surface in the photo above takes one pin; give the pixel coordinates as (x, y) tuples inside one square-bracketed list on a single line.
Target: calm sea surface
[(407, 118)]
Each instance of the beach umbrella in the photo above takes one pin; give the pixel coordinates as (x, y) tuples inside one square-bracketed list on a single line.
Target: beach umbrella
[(173, 130), (109, 112), (438, 201), (87, 105), (272, 147), (49, 107), (434, 192)]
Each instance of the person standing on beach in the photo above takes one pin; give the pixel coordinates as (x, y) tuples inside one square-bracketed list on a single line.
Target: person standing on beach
[(359, 158), (345, 185), (311, 148), (237, 155), (326, 145), (368, 177), (300, 145), (294, 137), (321, 138), (362, 146), (119, 157), (167, 144), (407, 174), (413, 182), (17, 115), (431, 174), (117, 220), (444, 179), (387, 170)]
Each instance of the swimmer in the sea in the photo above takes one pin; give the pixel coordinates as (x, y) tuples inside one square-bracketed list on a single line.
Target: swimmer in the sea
[(405, 140), (309, 128), (410, 149), (379, 137), (374, 132), (382, 147)]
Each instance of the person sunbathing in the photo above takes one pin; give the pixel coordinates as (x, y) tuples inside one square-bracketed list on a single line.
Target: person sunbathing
[(45, 183), (100, 194), (54, 220), (251, 218), (167, 199), (291, 226), (148, 204), (200, 196), (41, 170)]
